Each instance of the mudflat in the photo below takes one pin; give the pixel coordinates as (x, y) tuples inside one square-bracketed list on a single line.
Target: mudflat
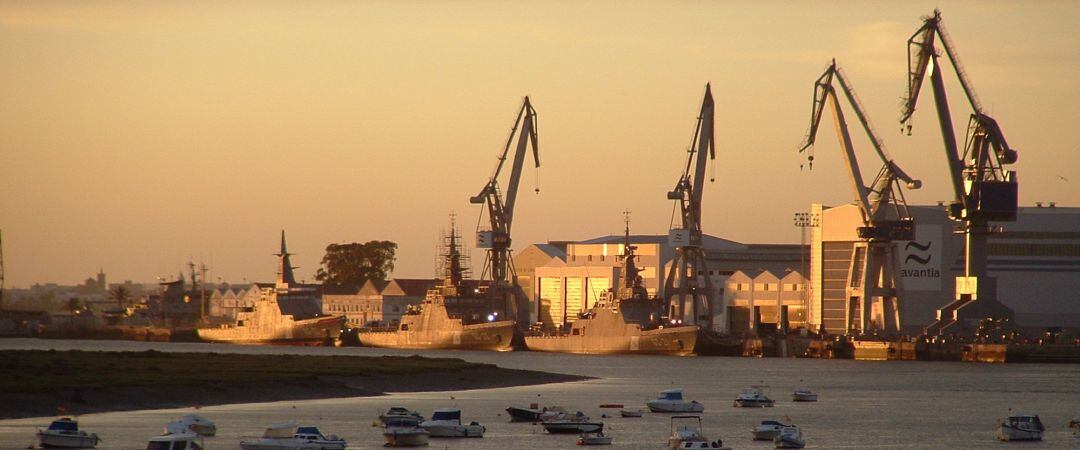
[(44, 383)]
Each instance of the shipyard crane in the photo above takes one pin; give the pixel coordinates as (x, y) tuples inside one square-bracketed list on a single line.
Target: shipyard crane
[(688, 275), (504, 291), (871, 279), (984, 191)]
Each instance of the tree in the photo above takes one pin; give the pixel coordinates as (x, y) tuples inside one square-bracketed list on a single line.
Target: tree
[(121, 294), (355, 263)]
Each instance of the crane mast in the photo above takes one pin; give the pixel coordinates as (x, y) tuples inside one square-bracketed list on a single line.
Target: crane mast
[(504, 291), (983, 189), (874, 292), (687, 278)]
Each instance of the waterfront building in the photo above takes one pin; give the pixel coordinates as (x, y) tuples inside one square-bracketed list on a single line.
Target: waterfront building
[(401, 293), (760, 300), (1036, 261)]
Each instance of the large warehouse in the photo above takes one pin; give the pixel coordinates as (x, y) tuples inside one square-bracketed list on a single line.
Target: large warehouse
[(1036, 260)]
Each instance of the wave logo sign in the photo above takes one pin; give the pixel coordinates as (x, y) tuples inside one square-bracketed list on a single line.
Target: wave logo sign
[(921, 259)]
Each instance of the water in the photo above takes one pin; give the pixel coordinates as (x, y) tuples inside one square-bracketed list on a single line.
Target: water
[(863, 404)]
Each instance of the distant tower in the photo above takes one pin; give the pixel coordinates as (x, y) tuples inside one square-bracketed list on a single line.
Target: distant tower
[(285, 269), (101, 280)]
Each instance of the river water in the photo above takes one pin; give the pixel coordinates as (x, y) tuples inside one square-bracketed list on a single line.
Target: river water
[(863, 404)]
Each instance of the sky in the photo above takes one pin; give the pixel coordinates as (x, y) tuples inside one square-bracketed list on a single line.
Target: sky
[(136, 136)]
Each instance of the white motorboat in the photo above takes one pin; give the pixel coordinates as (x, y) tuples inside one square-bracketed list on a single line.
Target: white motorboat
[(446, 422), (64, 433), (753, 398), (397, 412), (630, 413), (576, 423), (1020, 427), (594, 438), (767, 430), (790, 437), (194, 423), (803, 394), (685, 434), (288, 436), (671, 401), (404, 431), (186, 440)]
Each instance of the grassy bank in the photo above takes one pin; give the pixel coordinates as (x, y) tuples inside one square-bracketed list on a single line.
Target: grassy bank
[(35, 383)]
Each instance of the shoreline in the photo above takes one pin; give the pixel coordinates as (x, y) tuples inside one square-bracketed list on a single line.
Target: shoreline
[(92, 388)]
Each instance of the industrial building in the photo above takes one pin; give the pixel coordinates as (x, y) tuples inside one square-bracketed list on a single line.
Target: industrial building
[(563, 279), (1036, 261)]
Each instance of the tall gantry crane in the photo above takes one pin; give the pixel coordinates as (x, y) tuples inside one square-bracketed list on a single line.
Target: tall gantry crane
[(874, 292), (984, 190), (504, 292), (688, 276)]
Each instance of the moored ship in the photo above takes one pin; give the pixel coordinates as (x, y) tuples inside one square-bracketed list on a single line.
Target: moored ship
[(285, 313), (628, 321), (457, 314)]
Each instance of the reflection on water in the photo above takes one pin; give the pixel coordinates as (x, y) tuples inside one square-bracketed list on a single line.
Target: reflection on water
[(894, 405)]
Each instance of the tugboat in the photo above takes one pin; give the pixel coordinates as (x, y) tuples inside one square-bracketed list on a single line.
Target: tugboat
[(457, 314), (627, 321)]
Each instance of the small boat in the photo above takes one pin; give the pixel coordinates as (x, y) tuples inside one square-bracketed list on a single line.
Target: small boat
[(790, 437), (802, 394), (192, 422), (1020, 427), (767, 430), (530, 414), (289, 436), (176, 441), (397, 412), (576, 423), (686, 435), (404, 431), (446, 422), (753, 398), (630, 413), (594, 438), (671, 401), (64, 433)]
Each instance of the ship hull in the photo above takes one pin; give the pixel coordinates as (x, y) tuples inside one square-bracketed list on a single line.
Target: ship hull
[(665, 341), (492, 336), (315, 331)]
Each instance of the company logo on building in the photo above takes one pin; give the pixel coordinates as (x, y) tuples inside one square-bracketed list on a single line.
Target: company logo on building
[(920, 268)]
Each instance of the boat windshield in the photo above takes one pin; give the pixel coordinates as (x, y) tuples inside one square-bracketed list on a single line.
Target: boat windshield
[(402, 422), (309, 430), (447, 415), (64, 425), (671, 395), (770, 422)]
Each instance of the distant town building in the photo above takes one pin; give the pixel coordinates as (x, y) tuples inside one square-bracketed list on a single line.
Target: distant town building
[(401, 293)]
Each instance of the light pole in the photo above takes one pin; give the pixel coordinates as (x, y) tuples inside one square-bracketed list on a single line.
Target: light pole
[(805, 220)]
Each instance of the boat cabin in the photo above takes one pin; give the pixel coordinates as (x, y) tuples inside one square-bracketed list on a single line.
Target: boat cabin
[(448, 414), (671, 394), (1025, 422), (64, 425)]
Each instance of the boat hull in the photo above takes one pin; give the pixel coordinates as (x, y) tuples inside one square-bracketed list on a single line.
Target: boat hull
[(408, 438), (1006, 434), (523, 414), (766, 435), (455, 431), (754, 403), (804, 397), (572, 427), (49, 440), (291, 445), (315, 331), (669, 407), (619, 339), (494, 336)]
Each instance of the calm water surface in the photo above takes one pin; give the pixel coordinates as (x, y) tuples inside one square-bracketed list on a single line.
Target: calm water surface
[(863, 404)]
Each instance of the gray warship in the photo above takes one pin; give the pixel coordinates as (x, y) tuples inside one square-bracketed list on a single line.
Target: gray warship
[(626, 321), (457, 314), (286, 313)]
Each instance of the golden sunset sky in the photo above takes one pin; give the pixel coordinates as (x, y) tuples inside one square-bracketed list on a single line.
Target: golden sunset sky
[(138, 135)]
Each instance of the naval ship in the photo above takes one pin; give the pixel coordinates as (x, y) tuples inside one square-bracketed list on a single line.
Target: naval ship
[(627, 321), (457, 314), (286, 313)]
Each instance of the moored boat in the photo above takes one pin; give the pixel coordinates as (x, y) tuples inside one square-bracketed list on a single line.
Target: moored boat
[(1020, 427), (397, 412), (289, 436), (630, 413), (752, 397), (530, 414), (767, 430), (576, 423), (446, 422), (686, 433), (176, 441), (790, 437), (671, 401), (594, 438), (192, 423), (404, 431), (65, 433), (803, 394)]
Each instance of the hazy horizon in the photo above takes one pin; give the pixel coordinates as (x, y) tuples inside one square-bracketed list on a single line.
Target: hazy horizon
[(138, 136)]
